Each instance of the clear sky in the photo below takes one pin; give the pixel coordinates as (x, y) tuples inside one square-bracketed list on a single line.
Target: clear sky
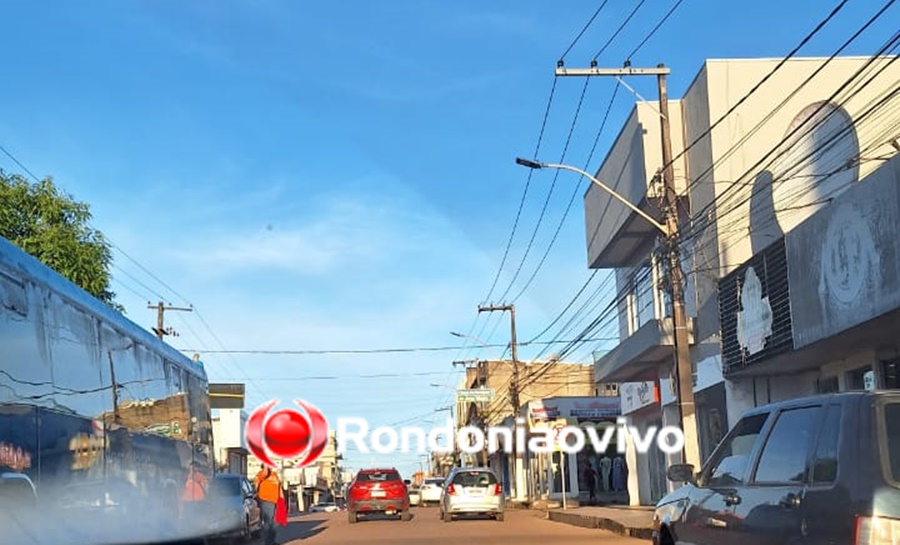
[(340, 175)]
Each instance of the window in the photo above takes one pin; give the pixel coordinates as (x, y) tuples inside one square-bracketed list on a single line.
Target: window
[(378, 476), (785, 454), (825, 462), (642, 284), (225, 487), (827, 385), (468, 479), (730, 462), (891, 440)]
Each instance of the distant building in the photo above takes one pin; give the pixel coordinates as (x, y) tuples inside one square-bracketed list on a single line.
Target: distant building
[(229, 440)]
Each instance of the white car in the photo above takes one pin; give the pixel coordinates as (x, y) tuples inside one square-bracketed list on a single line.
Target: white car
[(415, 498), (430, 491), (472, 491), (328, 507)]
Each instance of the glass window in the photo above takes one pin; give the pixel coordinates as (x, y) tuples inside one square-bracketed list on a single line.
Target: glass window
[(786, 451), (468, 479), (227, 487), (643, 294), (730, 462), (892, 439), (825, 462), (378, 476)]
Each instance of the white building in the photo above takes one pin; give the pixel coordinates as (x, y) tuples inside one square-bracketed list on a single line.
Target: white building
[(779, 155), (229, 440)]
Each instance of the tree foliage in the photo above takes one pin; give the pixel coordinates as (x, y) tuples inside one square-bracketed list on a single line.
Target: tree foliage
[(53, 227)]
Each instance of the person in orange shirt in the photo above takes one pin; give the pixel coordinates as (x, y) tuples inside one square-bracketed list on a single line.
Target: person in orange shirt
[(268, 492), (192, 495)]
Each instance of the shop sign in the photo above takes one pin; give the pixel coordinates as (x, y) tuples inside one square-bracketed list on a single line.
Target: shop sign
[(637, 395)]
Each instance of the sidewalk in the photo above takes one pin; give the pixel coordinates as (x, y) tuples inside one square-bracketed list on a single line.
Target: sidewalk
[(623, 520)]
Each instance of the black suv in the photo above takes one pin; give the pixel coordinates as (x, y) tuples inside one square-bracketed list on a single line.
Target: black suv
[(816, 470)]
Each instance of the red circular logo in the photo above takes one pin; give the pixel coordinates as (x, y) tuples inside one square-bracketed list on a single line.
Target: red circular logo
[(287, 433)]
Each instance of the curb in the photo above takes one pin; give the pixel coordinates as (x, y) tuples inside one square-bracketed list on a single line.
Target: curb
[(600, 523)]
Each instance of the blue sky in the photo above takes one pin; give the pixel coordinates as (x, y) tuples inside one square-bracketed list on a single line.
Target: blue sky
[(340, 175)]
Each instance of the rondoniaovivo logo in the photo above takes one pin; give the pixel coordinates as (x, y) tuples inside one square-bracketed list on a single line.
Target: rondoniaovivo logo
[(287, 433)]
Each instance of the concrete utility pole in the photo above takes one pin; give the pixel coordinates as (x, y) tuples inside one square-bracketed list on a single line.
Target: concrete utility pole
[(161, 309), (683, 365), (513, 385)]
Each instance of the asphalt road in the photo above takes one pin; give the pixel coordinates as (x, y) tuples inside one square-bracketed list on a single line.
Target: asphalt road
[(521, 527)]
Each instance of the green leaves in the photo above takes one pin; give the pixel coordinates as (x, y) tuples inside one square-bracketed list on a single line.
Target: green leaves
[(53, 227)]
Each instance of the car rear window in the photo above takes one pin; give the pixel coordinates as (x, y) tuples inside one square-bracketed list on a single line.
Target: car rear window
[(378, 476), (474, 479), (226, 487), (892, 440)]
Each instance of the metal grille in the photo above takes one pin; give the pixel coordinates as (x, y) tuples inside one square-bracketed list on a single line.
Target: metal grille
[(770, 266)]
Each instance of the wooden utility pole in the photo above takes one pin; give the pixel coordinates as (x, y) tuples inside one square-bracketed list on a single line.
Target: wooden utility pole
[(161, 309), (683, 374), (513, 385)]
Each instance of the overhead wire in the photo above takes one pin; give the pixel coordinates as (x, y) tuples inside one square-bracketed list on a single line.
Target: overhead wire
[(583, 30), (575, 191), (653, 31), (727, 206), (736, 146), (619, 30)]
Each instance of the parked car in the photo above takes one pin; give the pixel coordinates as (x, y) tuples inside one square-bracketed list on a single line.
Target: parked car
[(431, 490), (472, 491), (325, 507), (378, 491), (234, 511), (415, 497), (817, 470)]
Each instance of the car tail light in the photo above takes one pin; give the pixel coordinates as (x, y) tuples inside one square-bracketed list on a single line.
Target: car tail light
[(877, 531), (498, 490), (451, 490), (357, 492)]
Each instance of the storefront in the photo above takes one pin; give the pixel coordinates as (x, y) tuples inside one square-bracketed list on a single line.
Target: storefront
[(816, 311), (589, 476), (642, 408)]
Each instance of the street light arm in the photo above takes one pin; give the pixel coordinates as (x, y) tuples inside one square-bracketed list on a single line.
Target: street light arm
[(623, 200)]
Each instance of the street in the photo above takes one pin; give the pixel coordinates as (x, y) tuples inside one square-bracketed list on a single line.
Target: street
[(521, 527)]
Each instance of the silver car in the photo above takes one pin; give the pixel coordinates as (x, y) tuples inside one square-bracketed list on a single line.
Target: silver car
[(472, 491)]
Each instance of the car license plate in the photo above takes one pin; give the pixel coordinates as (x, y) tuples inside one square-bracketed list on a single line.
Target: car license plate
[(378, 493), (475, 491)]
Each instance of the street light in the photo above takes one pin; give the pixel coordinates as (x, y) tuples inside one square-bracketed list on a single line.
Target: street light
[(473, 337), (683, 365), (538, 165)]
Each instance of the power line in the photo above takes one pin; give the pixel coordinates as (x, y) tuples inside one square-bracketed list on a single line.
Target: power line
[(373, 350), (759, 84), (617, 32), (653, 32), (583, 30)]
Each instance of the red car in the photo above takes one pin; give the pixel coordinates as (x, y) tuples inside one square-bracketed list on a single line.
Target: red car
[(378, 491)]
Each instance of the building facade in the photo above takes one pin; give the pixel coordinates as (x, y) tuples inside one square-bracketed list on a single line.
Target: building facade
[(752, 168), (537, 380), (229, 440)]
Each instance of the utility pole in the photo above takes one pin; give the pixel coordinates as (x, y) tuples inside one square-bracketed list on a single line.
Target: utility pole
[(684, 372), (161, 309), (513, 385)]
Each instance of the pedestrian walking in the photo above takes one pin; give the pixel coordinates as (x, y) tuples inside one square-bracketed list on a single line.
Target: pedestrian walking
[(268, 492)]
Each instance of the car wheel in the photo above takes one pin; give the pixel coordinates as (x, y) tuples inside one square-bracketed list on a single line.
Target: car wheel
[(447, 517), (405, 516), (352, 517)]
